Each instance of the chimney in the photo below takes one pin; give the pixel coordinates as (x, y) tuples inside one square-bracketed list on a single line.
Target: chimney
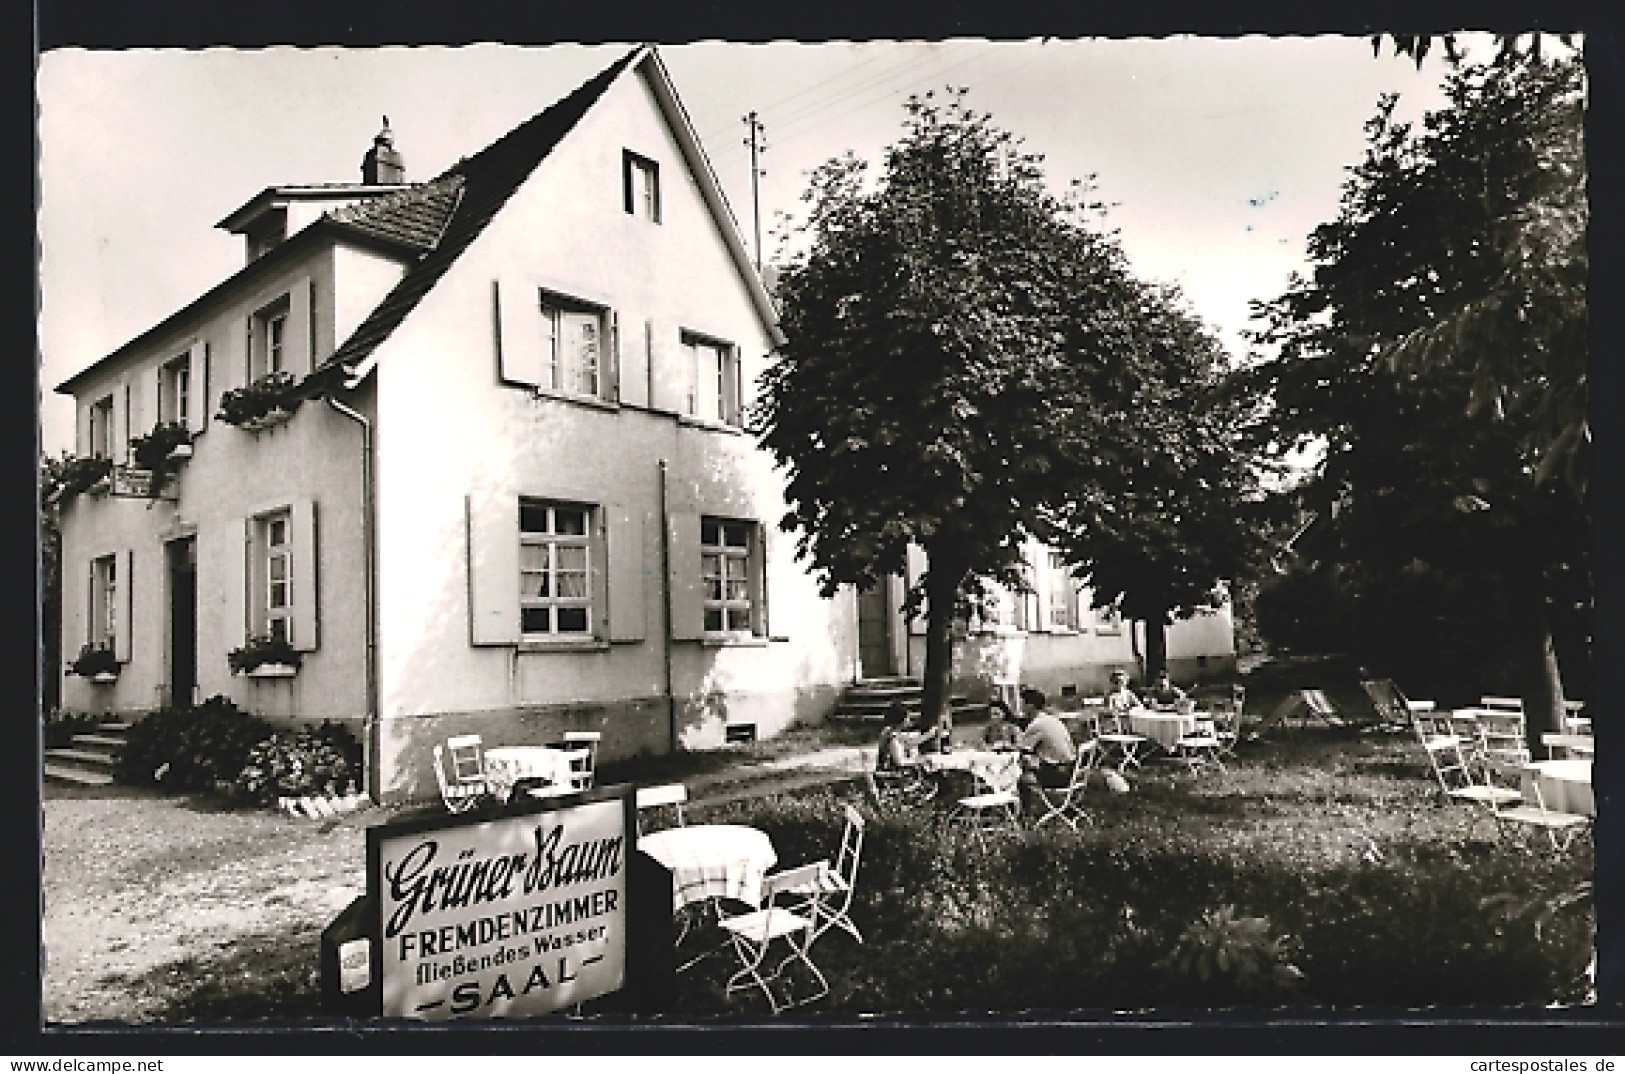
[(382, 166)]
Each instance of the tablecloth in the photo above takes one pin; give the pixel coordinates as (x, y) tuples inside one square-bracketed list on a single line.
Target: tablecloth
[(1565, 786), (713, 861), (506, 765), (1163, 728), (999, 770)]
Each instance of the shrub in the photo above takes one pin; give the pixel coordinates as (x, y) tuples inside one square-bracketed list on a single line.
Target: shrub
[(152, 452), (197, 749), (60, 727), (79, 474), (262, 650), (94, 660), (316, 760), (1225, 958)]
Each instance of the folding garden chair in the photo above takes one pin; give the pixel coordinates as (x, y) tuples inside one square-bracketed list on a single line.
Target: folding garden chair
[(1115, 737), (668, 794), (1065, 803), (1584, 745), (1501, 736), (991, 809), (1450, 766), (753, 934), (1199, 747), (459, 768), (827, 899), (1560, 828), (582, 746)]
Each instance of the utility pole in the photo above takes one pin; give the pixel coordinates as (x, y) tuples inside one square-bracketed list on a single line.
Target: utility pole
[(758, 145)]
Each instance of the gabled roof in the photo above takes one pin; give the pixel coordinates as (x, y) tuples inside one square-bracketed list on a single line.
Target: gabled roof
[(491, 177), (488, 179)]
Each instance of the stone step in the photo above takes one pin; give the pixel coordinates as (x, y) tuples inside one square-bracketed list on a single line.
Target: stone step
[(885, 681), (82, 776), (92, 758), (110, 741), (114, 726)]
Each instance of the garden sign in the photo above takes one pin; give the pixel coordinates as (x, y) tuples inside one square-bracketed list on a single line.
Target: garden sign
[(508, 914)]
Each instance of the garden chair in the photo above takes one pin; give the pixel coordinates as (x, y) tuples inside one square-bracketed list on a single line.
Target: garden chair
[(1199, 747), (754, 934), (1115, 737), (1584, 745), (1501, 736), (1393, 706), (1560, 828), (1227, 724), (1450, 766), (667, 794), (827, 899), (459, 768), (1065, 803), (991, 809), (582, 746)]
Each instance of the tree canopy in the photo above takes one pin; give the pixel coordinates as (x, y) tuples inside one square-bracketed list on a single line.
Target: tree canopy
[(1438, 349)]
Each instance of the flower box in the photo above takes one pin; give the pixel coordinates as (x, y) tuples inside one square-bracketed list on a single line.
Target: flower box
[(180, 451), (103, 678), (268, 420), (273, 671)]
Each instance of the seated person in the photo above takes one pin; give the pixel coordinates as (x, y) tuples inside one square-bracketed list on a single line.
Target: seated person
[(1047, 749), (1121, 700), (899, 744), (1164, 696), (1001, 732)]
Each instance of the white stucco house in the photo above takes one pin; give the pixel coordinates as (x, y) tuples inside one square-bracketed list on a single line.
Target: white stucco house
[(510, 489)]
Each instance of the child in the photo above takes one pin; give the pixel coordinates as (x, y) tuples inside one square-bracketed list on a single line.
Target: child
[(1121, 700)]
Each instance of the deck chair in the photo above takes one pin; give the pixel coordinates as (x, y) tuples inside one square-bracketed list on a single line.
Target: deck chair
[(668, 794), (583, 749), (827, 899), (1302, 705), (459, 768), (1065, 804), (1560, 828), (1450, 765), (754, 934), (1392, 705)]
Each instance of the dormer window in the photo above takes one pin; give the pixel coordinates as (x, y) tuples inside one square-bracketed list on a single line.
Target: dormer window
[(640, 179), (269, 345)]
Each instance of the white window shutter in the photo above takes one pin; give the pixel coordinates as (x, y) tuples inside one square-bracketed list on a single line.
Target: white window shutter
[(612, 360), (296, 337), (248, 354), (685, 585), (1042, 578), (758, 580), (227, 546), (124, 582), (306, 575), (120, 447), (493, 568), (626, 568), (197, 386), (81, 429), (519, 339)]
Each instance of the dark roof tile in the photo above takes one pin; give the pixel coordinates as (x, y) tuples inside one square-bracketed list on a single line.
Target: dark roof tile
[(415, 217)]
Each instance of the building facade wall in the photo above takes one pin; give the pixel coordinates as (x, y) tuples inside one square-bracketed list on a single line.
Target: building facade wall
[(453, 435)]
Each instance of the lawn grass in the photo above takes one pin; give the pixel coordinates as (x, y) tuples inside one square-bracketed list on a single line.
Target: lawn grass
[(1381, 894)]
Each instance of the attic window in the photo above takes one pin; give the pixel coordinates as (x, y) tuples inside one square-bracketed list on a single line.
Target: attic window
[(640, 182)]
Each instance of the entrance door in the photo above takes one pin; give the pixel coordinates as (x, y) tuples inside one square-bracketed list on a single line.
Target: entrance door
[(182, 621), (874, 633)]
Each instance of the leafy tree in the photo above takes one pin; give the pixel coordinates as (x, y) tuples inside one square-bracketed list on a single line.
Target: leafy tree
[(1439, 350), (923, 394), (1165, 505), (50, 580)]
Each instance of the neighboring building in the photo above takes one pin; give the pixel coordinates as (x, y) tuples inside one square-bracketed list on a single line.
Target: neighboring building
[(512, 492)]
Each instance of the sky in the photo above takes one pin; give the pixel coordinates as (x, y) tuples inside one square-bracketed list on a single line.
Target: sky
[(1218, 156)]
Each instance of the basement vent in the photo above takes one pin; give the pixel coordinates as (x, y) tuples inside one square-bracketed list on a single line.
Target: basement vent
[(739, 732), (1069, 690)]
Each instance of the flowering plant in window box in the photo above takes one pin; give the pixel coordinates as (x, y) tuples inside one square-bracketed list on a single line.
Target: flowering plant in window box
[(268, 401), (265, 657), (96, 663), (161, 450), (83, 474)]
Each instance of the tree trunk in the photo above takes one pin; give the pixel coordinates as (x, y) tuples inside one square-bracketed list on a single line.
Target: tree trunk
[(942, 581), (1540, 680), (1156, 644)]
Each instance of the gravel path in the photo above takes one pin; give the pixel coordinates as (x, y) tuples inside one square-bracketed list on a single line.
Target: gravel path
[(136, 882)]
